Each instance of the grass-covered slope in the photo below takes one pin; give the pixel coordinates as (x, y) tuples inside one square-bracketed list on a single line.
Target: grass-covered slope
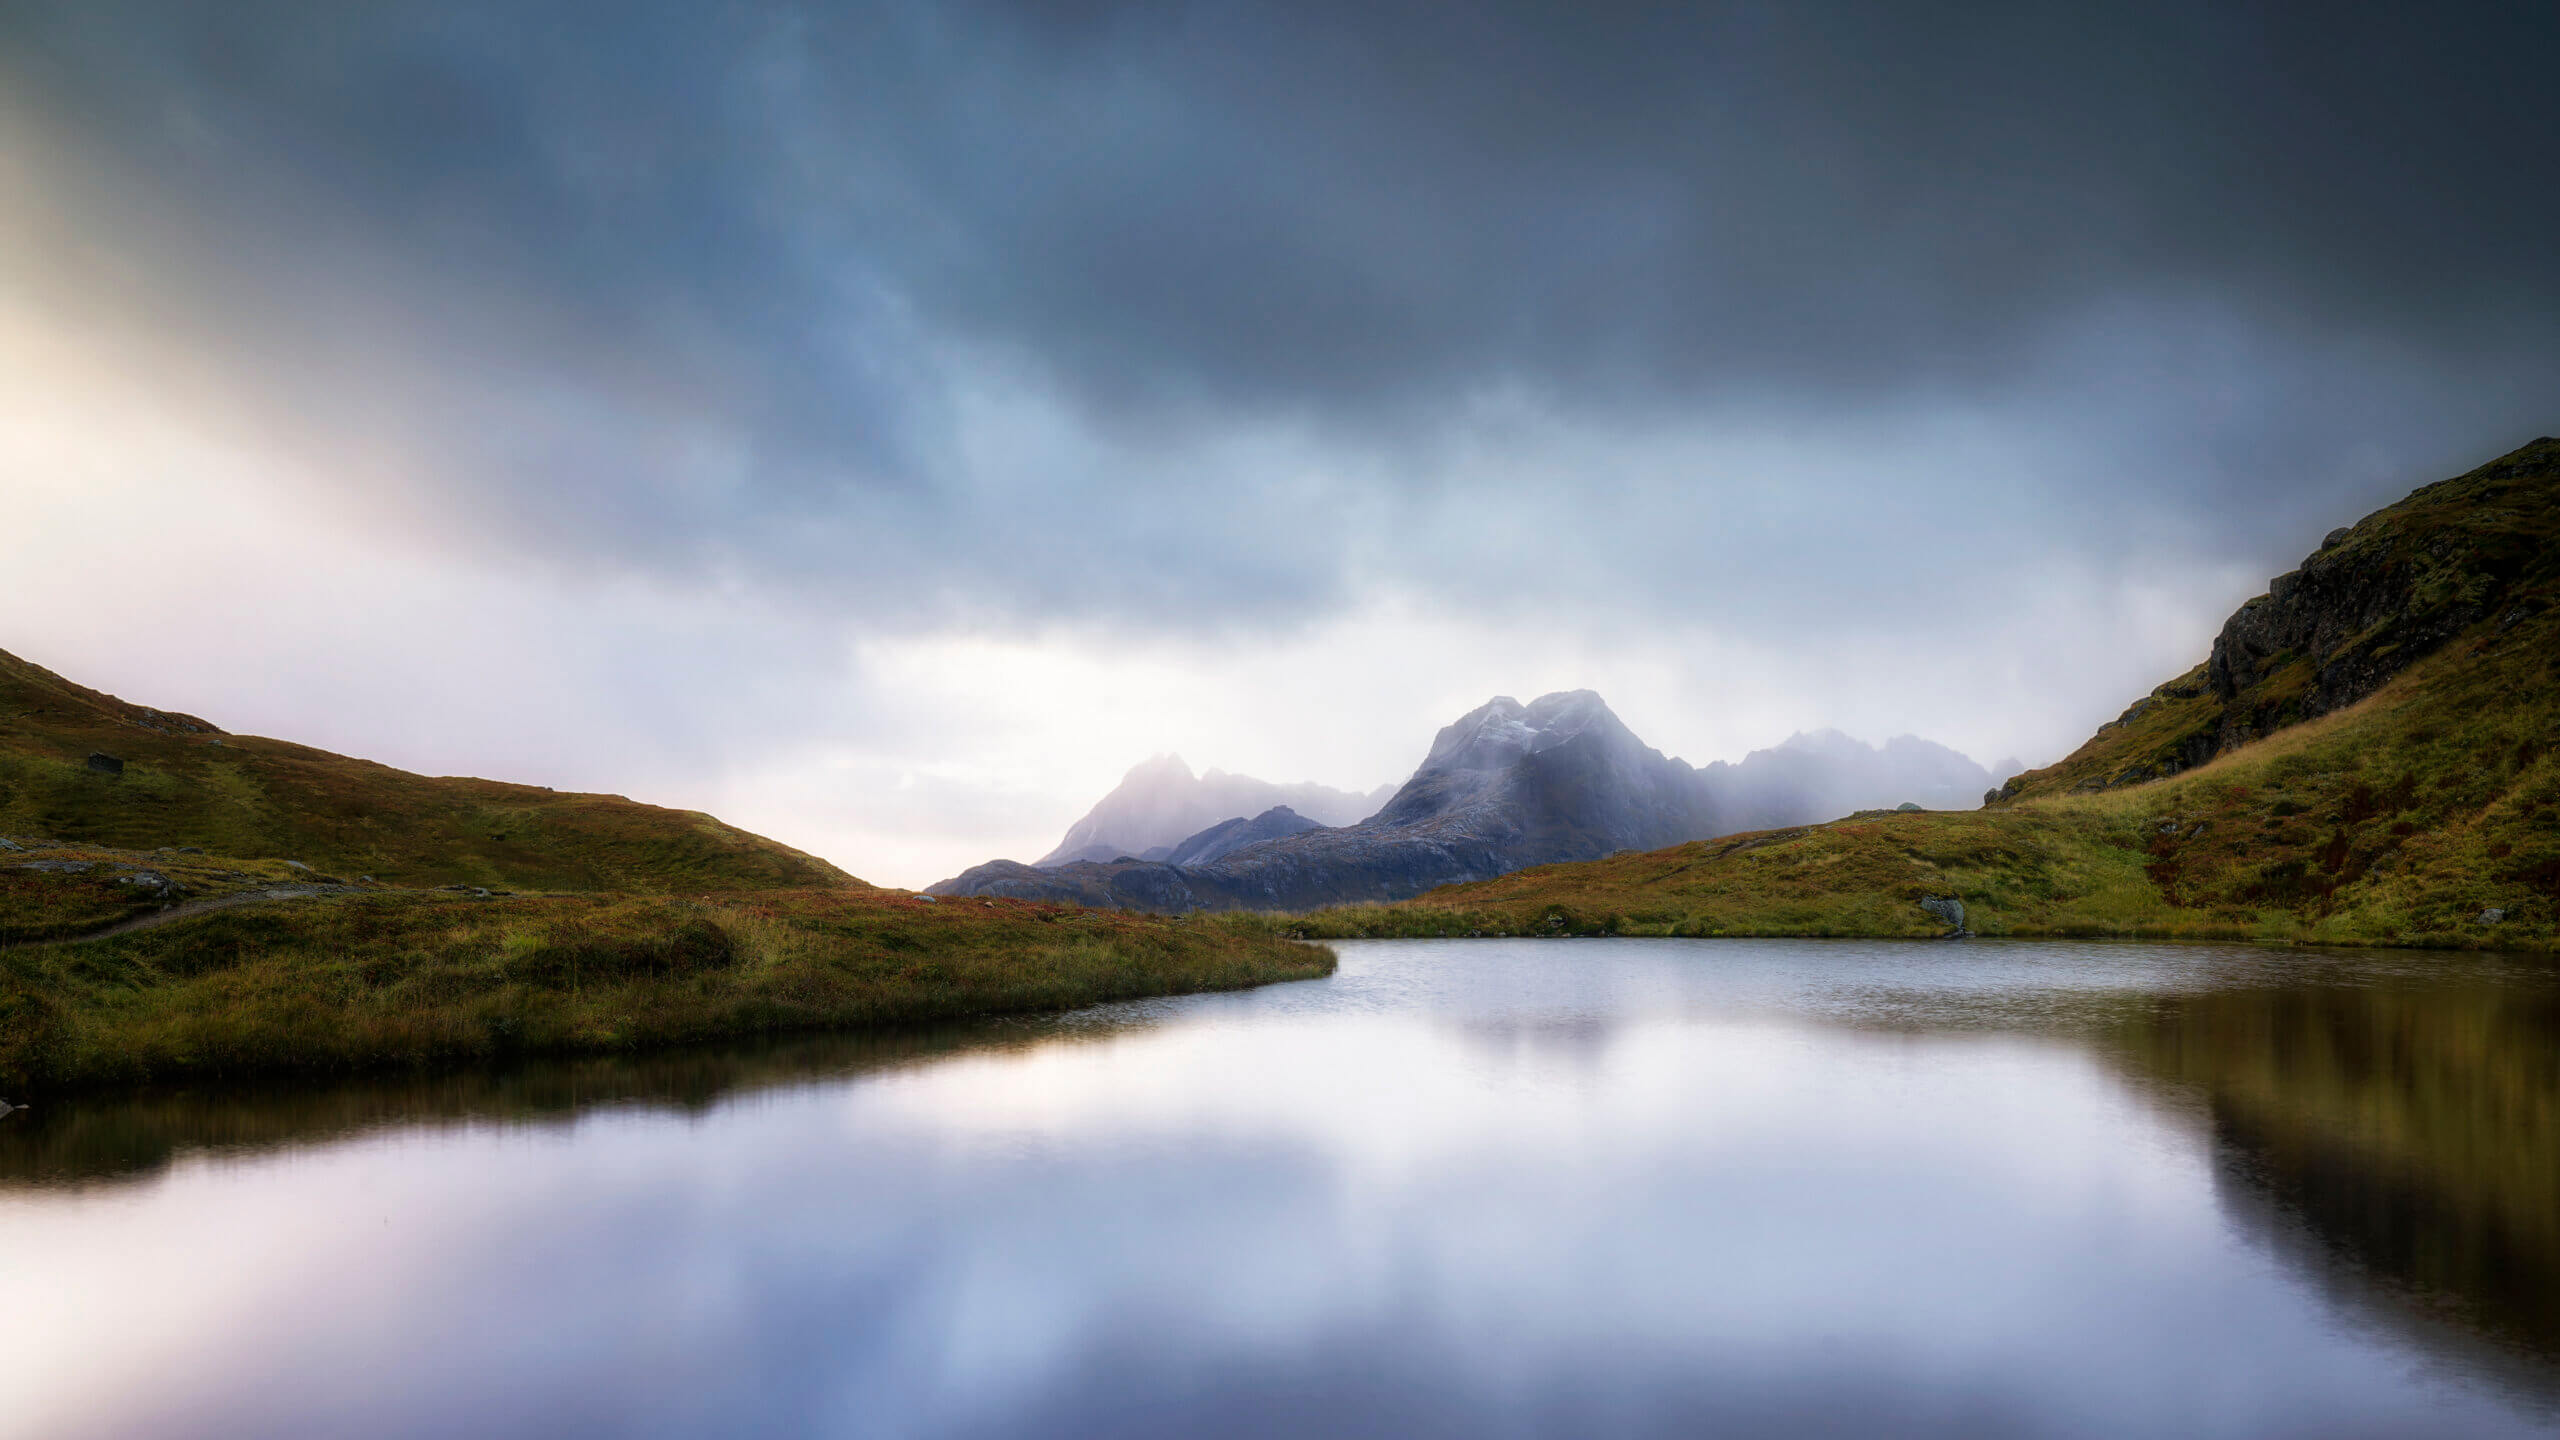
[(353, 979), (215, 905), (2426, 811), (2464, 558), (185, 783)]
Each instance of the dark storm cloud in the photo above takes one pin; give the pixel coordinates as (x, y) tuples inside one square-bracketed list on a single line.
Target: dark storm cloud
[(713, 286)]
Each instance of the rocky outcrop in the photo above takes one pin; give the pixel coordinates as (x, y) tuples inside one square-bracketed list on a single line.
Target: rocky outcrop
[(2471, 553), (2372, 601), (1950, 910)]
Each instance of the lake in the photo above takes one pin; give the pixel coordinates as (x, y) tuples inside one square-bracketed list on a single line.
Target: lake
[(1467, 1188)]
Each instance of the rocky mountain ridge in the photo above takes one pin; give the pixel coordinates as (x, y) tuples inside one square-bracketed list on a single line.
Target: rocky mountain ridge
[(2366, 757), (1504, 786), (1161, 804), (1228, 836)]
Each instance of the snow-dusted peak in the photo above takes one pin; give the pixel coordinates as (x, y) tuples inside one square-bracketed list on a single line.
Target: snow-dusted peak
[(1495, 734)]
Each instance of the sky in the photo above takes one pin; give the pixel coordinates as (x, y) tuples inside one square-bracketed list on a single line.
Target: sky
[(882, 425)]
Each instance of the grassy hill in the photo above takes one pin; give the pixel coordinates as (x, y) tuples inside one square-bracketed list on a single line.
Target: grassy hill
[(186, 783), (303, 912), (356, 979), (2367, 757)]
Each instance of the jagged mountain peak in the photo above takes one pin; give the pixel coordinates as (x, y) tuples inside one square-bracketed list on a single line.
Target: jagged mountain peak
[(1825, 741), (1160, 803), (1504, 785), (1497, 733)]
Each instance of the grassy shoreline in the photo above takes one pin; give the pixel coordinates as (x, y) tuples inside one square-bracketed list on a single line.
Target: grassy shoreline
[(2426, 816), (390, 980)]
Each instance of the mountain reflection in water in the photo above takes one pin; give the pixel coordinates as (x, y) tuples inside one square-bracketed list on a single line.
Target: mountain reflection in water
[(1491, 1187)]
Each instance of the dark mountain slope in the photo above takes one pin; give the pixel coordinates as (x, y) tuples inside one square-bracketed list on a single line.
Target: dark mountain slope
[(1505, 785), (1228, 836), (2374, 599)]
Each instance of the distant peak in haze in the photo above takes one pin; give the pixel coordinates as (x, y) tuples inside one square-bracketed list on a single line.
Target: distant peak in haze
[(1502, 786), (1161, 804)]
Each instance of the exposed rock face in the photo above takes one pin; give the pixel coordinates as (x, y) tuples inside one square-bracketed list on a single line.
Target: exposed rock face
[(2374, 599), (1946, 908), (1505, 786), (1561, 778), (1160, 804), (1228, 836), (2352, 617)]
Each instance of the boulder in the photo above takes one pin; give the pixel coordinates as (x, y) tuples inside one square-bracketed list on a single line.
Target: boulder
[(1948, 909)]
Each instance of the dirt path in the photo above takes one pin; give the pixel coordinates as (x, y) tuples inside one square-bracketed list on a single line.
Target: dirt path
[(176, 913)]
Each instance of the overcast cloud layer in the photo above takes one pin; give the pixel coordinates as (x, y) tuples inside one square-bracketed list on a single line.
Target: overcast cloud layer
[(884, 423)]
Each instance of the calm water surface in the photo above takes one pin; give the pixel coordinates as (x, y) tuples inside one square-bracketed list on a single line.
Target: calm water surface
[(1463, 1188)]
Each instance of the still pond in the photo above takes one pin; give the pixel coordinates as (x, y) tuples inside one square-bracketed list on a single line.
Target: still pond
[(1467, 1188)]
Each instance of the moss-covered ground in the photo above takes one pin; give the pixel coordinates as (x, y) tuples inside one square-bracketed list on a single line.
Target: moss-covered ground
[(184, 783), (353, 979)]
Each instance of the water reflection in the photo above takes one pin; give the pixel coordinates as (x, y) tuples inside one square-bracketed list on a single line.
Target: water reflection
[(1486, 1189), (134, 1136), (2411, 1126)]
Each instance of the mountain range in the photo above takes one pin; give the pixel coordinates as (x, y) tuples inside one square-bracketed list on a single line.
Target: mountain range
[(1160, 804), (1504, 786), (2369, 753)]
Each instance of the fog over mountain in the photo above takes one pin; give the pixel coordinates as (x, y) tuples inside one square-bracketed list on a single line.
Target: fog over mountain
[(1228, 836), (1825, 774), (1160, 803), (1504, 786)]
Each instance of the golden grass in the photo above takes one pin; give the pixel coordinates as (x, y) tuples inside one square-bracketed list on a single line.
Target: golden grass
[(353, 981), (186, 784), (2398, 821)]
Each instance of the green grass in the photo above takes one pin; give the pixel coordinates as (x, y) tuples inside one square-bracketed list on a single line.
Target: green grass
[(638, 926), (2399, 820), (185, 783), (400, 979), (2442, 553), (2396, 822)]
